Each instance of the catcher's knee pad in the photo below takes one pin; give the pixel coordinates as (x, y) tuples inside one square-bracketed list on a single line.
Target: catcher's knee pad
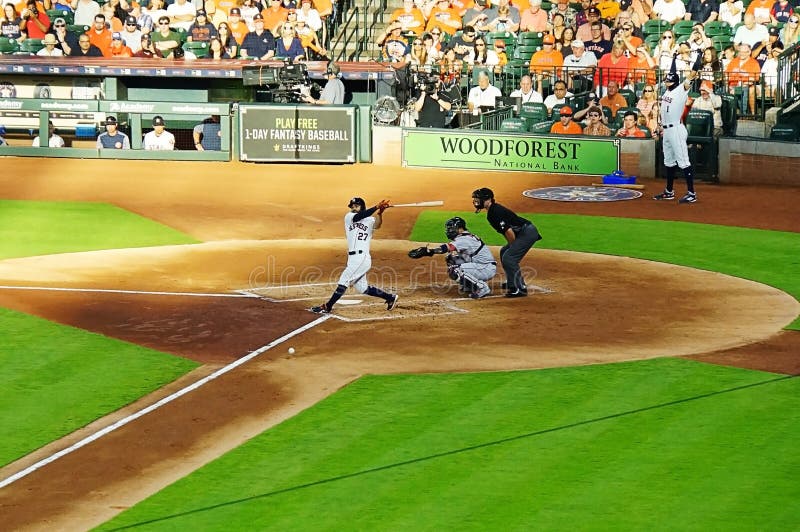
[(454, 272)]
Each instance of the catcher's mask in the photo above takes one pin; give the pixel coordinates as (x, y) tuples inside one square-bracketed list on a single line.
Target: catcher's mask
[(452, 225), (358, 201), (480, 196)]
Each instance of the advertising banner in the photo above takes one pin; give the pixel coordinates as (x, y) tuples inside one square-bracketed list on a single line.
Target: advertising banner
[(297, 133), (492, 150)]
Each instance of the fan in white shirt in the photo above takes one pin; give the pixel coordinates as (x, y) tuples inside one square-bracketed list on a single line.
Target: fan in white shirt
[(484, 94)]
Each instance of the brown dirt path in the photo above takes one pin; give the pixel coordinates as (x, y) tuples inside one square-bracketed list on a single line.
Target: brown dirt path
[(600, 309)]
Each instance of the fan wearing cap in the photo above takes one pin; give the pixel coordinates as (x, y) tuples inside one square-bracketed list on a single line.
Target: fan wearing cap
[(201, 30), (763, 50), (112, 138), (50, 42), (674, 134), (131, 34), (237, 26), (708, 101), (66, 39), (565, 125), (259, 43), (159, 139), (181, 14), (580, 65), (118, 46), (546, 63), (585, 33)]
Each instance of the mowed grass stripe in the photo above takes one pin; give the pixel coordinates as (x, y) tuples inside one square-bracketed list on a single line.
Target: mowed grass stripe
[(769, 257), (666, 443)]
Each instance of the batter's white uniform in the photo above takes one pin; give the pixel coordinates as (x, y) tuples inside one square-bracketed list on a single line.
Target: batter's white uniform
[(359, 261), (164, 141), (676, 151)]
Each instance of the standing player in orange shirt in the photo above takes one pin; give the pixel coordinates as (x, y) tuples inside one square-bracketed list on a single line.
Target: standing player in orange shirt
[(546, 63)]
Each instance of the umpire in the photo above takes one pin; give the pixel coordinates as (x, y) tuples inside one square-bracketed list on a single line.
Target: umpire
[(520, 233)]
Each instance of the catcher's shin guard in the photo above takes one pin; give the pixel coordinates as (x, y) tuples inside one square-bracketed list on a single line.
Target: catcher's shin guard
[(472, 284)]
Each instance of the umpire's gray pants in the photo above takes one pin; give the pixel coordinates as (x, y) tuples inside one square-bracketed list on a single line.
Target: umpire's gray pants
[(512, 253)]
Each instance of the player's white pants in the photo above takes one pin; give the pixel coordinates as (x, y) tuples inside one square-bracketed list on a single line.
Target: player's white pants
[(676, 151), (355, 273), (481, 272)]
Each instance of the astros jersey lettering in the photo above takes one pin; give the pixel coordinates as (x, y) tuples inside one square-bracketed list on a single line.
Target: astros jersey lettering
[(359, 234)]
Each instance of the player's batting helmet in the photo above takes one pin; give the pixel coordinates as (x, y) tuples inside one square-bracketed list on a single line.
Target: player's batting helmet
[(358, 201), (452, 225), (480, 196)]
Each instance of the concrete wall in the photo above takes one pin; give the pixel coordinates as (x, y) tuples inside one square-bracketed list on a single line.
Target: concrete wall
[(749, 161)]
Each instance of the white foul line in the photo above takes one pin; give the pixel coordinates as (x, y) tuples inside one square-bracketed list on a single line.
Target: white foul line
[(136, 292), (136, 415)]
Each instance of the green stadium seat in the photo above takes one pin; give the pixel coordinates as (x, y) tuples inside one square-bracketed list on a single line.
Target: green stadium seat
[(9, 46), (30, 46), (77, 29), (541, 127), (655, 27), (199, 49), (683, 27), (717, 27), (533, 111), (785, 132), (68, 16), (513, 125)]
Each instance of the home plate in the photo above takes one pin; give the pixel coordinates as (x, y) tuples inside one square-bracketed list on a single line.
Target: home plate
[(350, 301)]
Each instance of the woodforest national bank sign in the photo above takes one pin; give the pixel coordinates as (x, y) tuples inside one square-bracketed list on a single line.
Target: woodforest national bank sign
[(490, 150)]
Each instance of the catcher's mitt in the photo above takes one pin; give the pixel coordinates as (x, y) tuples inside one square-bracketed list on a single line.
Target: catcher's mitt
[(422, 251)]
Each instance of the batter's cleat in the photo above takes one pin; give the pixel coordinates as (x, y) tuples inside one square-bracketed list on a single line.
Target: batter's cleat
[(517, 292), (321, 309), (392, 302), (481, 292), (690, 197), (666, 195)]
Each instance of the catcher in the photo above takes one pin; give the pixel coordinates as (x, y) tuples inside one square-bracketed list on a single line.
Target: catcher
[(469, 260)]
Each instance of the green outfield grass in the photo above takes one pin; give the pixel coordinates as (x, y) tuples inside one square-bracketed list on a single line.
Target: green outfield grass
[(29, 228), (56, 379), (769, 257), (663, 444)]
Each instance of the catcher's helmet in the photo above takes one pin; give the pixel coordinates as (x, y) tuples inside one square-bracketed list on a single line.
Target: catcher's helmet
[(358, 201), (452, 225), (480, 196)]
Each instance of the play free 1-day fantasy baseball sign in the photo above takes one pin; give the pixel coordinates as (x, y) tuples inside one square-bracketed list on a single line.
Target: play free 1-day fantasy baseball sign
[(490, 150), (297, 133)]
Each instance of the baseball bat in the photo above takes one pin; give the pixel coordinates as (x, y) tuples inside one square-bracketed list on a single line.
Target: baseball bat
[(635, 187), (421, 204)]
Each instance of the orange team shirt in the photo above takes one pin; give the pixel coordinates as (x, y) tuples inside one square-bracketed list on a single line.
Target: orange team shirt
[(544, 61), (521, 5), (212, 6), (742, 72), (274, 17), (573, 128), (635, 133), (324, 7), (761, 9), (639, 71), (122, 51), (462, 6), (437, 16), (408, 19), (101, 40), (238, 30)]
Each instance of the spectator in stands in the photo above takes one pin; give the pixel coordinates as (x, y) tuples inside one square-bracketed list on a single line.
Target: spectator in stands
[(394, 47), (11, 26), (112, 23), (100, 35), (763, 50), (597, 45), (613, 99), (216, 50), (54, 141), (629, 128), (144, 22), (275, 15), (202, 30), (309, 40), (761, 11), (592, 102), (743, 72), (464, 44), (326, 9), (288, 46), (565, 125), (559, 96), (432, 108), (728, 54), (249, 9), (685, 58), (669, 10), (702, 11), (503, 21), (513, 13), (698, 40), (85, 48), (751, 33), (159, 139), (710, 67), (665, 50), (484, 95), (769, 71), (409, 17), (609, 9), (431, 51), (562, 7), (564, 44), (579, 66), (582, 16), (445, 18), (625, 34), (483, 57), (85, 11), (477, 16), (546, 63), (181, 14), (118, 46), (585, 32), (500, 50), (155, 11), (66, 39), (534, 18), (450, 74), (228, 41), (35, 21), (642, 66), (146, 48), (649, 109), (239, 29), (112, 138), (259, 43), (630, 14), (708, 101), (525, 92), (313, 20), (557, 28), (207, 135), (612, 68), (165, 40), (131, 34), (731, 11), (790, 34), (418, 57), (782, 10), (50, 49), (120, 9)]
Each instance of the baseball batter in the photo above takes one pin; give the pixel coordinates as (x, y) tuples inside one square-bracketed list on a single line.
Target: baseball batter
[(359, 224), (159, 138), (676, 151), (469, 260)]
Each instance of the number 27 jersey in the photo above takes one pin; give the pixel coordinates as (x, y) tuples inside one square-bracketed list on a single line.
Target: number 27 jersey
[(359, 234)]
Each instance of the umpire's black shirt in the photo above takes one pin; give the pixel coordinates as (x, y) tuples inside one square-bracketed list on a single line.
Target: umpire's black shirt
[(502, 219)]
